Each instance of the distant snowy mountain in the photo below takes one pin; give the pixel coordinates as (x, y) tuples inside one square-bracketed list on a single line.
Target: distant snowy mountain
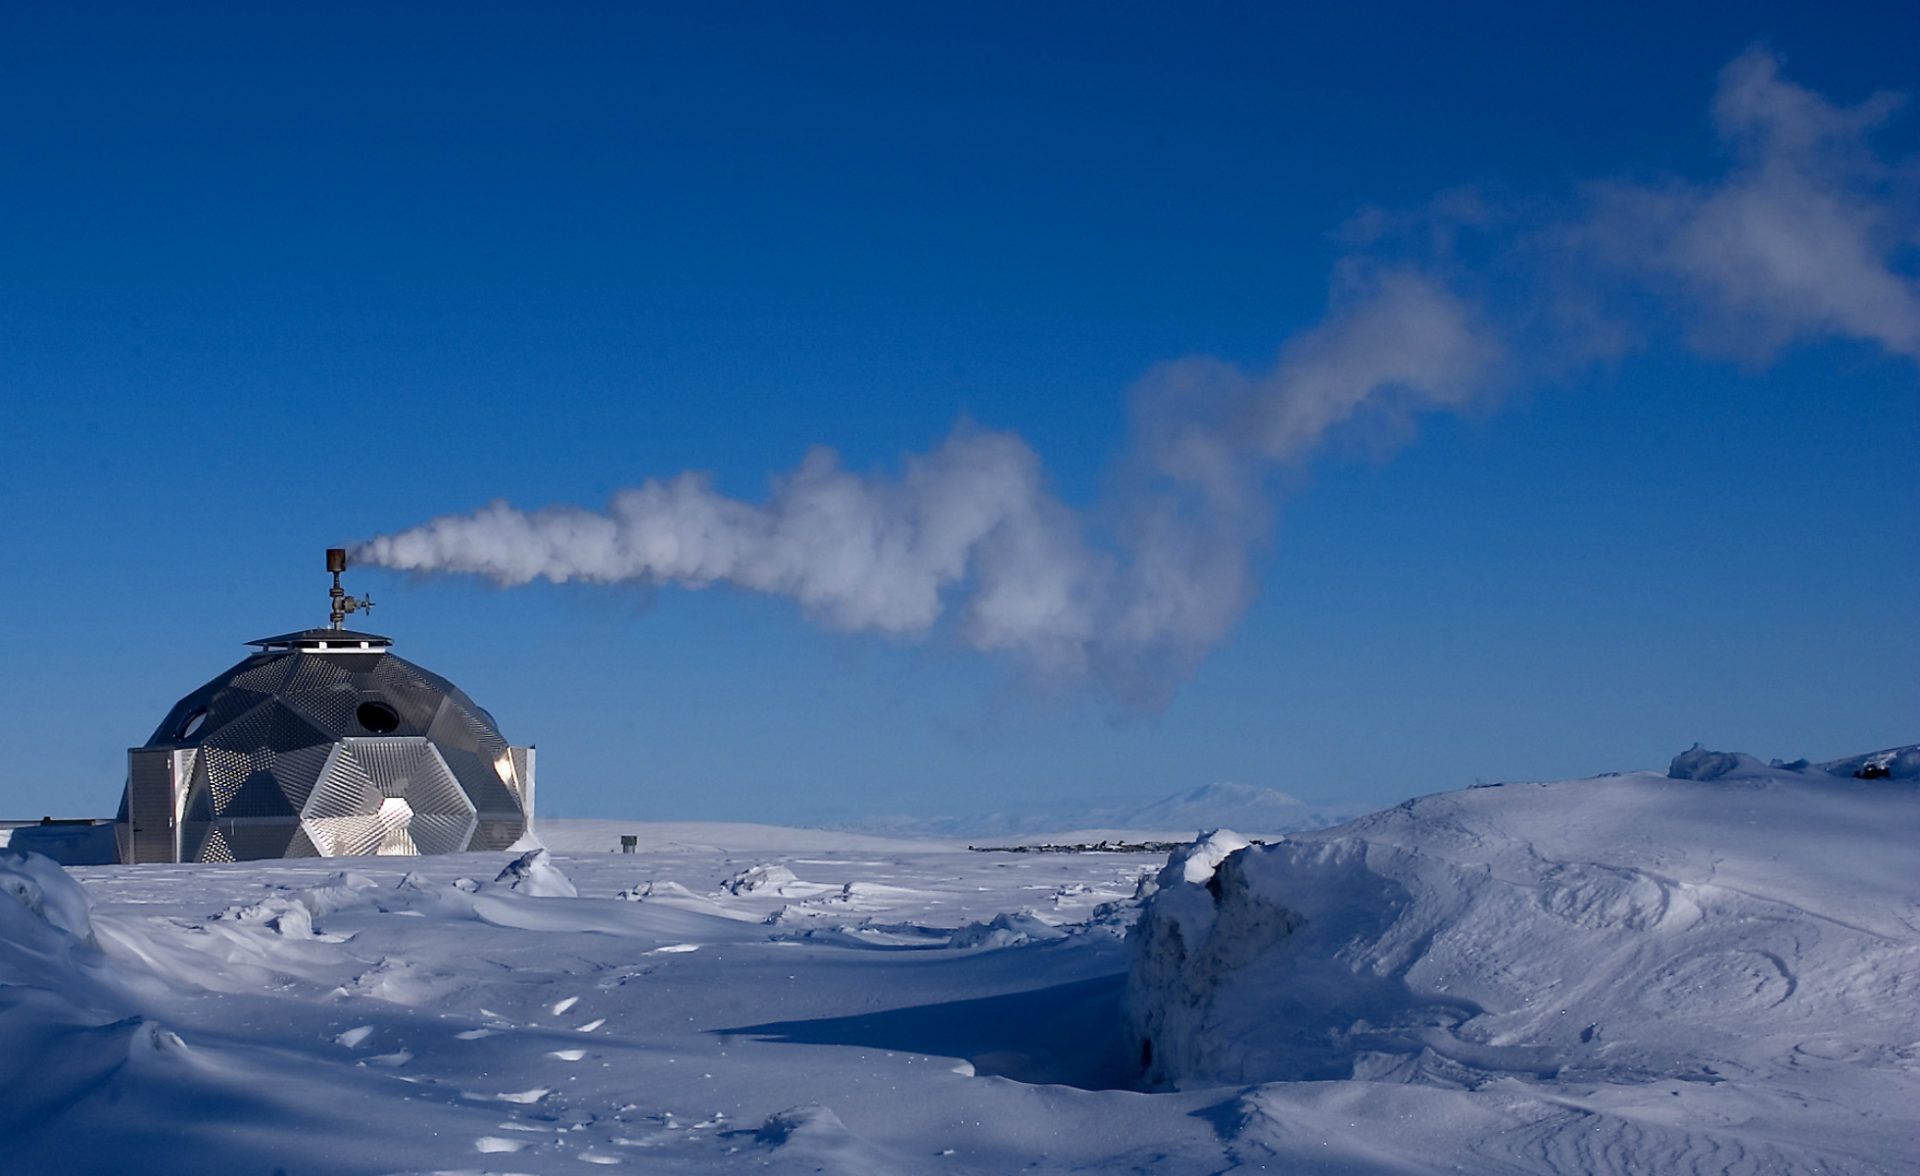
[(1237, 805), (1249, 808)]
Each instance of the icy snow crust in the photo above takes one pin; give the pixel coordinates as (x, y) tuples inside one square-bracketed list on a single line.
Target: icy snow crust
[(1736, 959), (1633, 974)]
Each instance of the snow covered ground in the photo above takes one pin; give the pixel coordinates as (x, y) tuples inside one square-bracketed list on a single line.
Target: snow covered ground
[(1631, 974)]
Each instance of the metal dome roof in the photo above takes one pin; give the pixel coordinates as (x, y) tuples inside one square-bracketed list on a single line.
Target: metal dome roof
[(298, 748), (324, 744)]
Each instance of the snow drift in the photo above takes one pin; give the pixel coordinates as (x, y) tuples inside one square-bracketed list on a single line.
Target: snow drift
[(48, 954), (534, 874), (74, 1042), (1718, 969)]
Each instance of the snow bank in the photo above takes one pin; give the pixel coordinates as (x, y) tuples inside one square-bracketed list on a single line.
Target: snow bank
[(52, 973), (291, 912), (71, 1035), (656, 889), (1613, 933), (1196, 863), (51, 898), (1006, 929), (812, 1138), (773, 878), (1893, 763), (1697, 763)]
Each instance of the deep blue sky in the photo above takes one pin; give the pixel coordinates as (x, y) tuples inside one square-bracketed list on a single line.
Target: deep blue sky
[(270, 283)]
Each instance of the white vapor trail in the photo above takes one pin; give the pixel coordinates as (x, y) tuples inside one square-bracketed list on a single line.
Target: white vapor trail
[(1798, 240)]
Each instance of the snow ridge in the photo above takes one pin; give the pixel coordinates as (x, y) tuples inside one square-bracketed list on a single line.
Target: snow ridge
[(1581, 967)]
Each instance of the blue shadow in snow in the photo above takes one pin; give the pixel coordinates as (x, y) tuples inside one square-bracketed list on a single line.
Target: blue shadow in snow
[(1068, 1034)]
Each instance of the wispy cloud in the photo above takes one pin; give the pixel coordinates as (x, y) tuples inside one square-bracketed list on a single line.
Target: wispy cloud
[(1798, 241)]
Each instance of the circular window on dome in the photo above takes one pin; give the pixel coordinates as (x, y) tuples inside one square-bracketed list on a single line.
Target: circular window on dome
[(195, 721), (377, 717)]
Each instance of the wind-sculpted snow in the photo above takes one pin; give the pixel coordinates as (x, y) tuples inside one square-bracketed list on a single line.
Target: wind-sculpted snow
[(1631, 973), (1624, 975), (78, 1047), (534, 874), (50, 964), (681, 1009)]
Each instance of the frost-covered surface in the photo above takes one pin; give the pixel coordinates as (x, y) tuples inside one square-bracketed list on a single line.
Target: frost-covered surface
[(1716, 972), (1735, 959)]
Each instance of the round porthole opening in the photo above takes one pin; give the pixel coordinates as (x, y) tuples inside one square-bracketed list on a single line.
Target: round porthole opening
[(195, 721), (377, 717)]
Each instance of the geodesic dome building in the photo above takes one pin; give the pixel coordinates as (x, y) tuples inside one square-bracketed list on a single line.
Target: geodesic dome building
[(323, 744)]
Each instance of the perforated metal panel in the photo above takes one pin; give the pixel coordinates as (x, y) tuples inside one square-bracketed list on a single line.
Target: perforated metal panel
[(196, 821), (322, 690), (265, 743), (217, 849), (388, 795), (268, 677), (521, 761), (342, 817), (297, 770)]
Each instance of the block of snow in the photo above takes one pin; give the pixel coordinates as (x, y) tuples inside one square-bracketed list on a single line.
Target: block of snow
[(533, 873), (1895, 763), (1697, 763), (48, 892), (1194, 864), (771, 878), (1006, 929), (1600, 930)]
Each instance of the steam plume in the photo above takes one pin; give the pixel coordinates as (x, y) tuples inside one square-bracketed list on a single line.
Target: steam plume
[(1798, 240)]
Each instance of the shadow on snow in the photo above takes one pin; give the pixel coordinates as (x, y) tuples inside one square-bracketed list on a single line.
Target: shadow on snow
[(1067, 1034)]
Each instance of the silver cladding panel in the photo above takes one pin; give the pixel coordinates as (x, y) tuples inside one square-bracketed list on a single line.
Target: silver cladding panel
[(274, 762), (387, 796)]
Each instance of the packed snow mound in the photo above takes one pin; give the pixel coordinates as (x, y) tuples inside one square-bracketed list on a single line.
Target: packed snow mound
[(1698, 763), (1006, 929), (1895, 763), (1631, 935), (51, 968), (813, 1139), (534, 874), (772, 878), (651, 888), (70, 1033), (49, 894), (1196, 863)]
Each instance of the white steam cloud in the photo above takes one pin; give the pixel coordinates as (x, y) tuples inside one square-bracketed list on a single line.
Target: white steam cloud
[(1800, 239)]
